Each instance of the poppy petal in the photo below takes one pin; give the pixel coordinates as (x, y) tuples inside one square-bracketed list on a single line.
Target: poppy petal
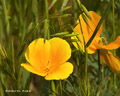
[(111, 60), (91, 49), (88, 30), (61, 72), (37, 53), (95, 20), (32, 69), (60, 51), (114, 45)]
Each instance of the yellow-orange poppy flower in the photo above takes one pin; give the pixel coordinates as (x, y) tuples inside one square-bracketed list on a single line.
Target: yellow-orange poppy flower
[(106, 56), (87, 31), (48, 58)]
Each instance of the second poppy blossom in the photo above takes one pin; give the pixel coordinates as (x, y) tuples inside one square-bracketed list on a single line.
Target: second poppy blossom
[(105, 55)]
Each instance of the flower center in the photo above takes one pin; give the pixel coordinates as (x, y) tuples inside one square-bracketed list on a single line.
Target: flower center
[(47, 67), (102, 41), (46, 70)]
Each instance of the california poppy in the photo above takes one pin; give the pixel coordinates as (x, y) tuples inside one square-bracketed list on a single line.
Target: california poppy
[(48, 58), (87, 31), (106, 56)]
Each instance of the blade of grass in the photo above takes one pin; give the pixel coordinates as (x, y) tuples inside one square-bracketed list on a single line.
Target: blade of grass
[(86, 11), (52, 4), (3, 84), (85, 19), (13, 57), (25, 77), (60, 34), (20, 19), (65, 15), (5, 18), (70, 35), (64, 3), (69, 83), (79, 3), (53, 88), (35, 15), (75, 10), (66, 8), (28, 7), (35, 11)]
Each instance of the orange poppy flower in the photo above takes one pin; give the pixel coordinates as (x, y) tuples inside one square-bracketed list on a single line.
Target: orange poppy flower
[(105, 56), (87, 31), (48, 58)]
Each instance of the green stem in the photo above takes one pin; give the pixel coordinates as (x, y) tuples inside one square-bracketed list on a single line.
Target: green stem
[(75, 10), (6, 18), (114, 35), (113, 21), (99, 70), (20, 18), (60, 88), (79, 3), (86, 74), (114, 82), (86, 60), (46, 24), (35, 15)]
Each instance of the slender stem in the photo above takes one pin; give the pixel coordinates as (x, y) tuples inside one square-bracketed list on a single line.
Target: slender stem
[(79, 3), (6, 18), (46, 24), (86, 60), (60, 88), (3, 84), (99, 66), (113, 21), (115, 86), (35, 15), (114, 35), (86, 74), (20, 18), (75, 10)]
